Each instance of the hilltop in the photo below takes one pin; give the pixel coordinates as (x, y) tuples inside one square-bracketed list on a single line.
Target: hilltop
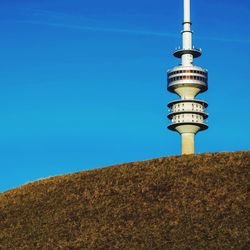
[(182, 202)]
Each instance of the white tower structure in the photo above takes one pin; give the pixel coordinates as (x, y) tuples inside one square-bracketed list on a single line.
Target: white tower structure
[(187, 80)]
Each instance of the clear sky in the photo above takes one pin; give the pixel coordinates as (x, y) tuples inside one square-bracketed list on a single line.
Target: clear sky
[(83, 82)]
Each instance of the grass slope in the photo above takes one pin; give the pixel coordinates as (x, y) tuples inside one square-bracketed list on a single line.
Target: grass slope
[(188, 202)]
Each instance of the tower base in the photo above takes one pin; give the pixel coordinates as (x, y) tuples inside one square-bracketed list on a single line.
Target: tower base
[(187, 143)]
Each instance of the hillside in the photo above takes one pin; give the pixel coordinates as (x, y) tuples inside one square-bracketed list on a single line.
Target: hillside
[(185, 202)]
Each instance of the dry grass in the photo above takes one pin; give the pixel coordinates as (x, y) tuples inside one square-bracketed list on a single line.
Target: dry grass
[(190, 202)]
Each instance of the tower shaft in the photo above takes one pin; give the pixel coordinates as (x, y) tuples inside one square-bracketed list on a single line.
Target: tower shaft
[(187, 141)]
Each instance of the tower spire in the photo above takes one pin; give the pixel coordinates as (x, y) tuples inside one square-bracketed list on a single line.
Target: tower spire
[(186, 11), (187, 43), (187, 114)]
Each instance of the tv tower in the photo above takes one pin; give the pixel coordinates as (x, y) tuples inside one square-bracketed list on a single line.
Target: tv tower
[(187, 114)]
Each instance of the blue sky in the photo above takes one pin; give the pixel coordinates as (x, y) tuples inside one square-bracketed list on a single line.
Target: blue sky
[(83, 83)]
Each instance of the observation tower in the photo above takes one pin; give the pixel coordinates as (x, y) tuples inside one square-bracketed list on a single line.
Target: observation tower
[(188, 115)]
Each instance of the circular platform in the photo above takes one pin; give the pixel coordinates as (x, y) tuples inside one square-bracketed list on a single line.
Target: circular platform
[(178, 84), (205, 104), (195, 52), (204, 114), (202, 126)]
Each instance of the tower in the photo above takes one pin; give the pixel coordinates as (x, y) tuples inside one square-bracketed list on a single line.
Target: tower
[(187, 114)]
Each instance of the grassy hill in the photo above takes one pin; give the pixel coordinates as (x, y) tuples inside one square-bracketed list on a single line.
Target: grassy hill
[(187, 202)]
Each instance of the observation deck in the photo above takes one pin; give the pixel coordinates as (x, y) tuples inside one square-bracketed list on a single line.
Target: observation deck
[(189, 77)]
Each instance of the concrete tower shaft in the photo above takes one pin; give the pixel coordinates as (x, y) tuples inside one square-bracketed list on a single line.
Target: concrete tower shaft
[(187, 115)]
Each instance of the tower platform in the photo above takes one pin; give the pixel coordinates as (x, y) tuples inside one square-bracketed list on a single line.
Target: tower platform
[(194, 52)]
